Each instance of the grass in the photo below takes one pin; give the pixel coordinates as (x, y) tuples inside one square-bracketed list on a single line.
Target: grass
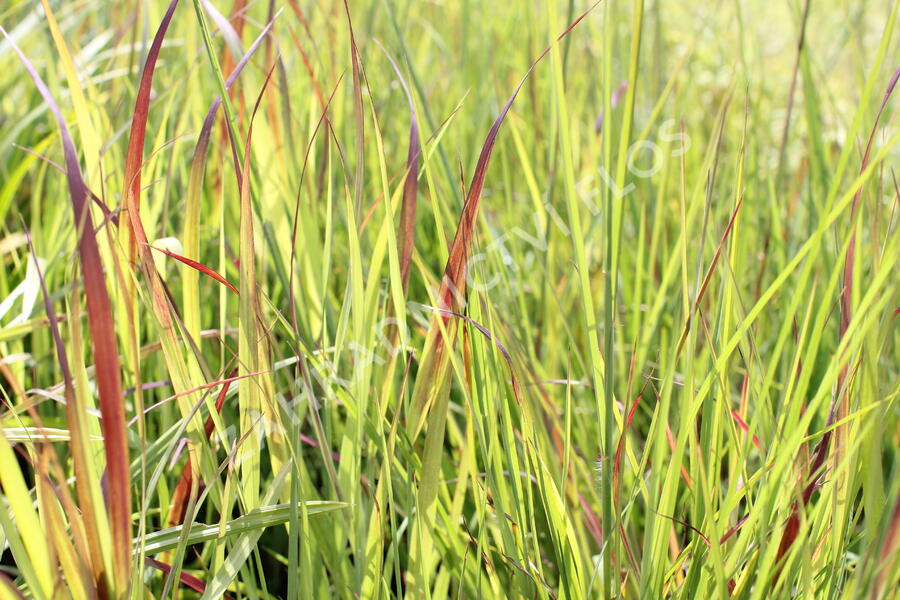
[(449, 300)]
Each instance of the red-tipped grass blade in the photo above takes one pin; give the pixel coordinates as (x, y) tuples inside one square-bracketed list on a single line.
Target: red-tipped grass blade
[(198, 266)]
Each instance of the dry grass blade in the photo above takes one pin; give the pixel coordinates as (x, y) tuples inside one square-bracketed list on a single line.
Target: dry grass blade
[(83, 523)]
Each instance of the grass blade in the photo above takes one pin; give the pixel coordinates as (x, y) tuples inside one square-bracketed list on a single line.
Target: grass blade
[(104, 348)]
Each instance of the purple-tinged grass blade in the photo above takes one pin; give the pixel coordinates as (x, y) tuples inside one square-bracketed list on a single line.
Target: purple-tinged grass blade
[(517, 390), (108, 215), (847, 290), (103, 342), (359, 177), (191, 236), (613, 102), (407, 228)]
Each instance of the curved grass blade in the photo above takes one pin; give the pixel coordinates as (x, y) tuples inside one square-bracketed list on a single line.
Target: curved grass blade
[(842, 408), (191, 295), (257, 519), (453, 283), (431, 390), (198, 266), (103, 343), (135, 156), (846, 298)]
